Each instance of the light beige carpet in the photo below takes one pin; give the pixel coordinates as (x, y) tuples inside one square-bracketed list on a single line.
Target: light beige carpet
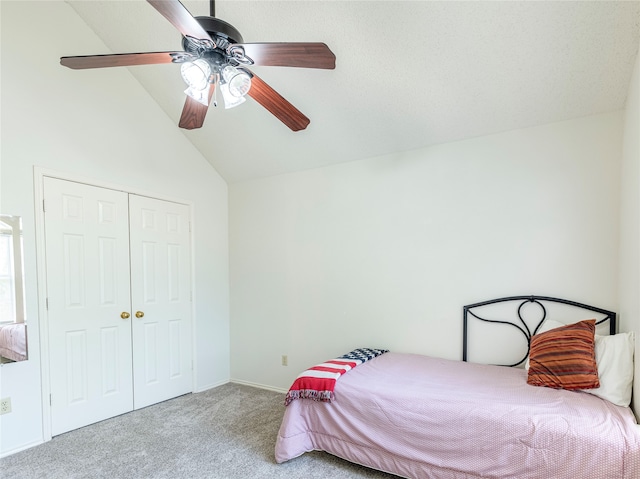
[(225, 433)]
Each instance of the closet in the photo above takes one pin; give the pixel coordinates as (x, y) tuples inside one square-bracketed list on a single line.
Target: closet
[(118, 295)]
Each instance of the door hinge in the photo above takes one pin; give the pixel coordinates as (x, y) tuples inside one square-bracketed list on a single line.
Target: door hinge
[(50, 400), (47, 303), (44, 208)]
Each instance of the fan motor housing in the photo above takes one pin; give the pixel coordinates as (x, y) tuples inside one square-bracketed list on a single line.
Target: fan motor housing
[(222, 33), (216, 28)]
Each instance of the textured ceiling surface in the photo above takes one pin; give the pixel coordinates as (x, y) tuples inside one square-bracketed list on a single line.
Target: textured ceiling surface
[(409, 74)]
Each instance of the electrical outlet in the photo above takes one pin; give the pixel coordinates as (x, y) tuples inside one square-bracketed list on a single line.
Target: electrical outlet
[(5, 406), (285, 360)]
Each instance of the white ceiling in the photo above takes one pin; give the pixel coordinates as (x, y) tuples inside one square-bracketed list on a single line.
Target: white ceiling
[(408, 73)]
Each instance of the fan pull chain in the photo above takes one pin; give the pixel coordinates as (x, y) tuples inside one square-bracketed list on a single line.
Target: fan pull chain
[(216, 82)]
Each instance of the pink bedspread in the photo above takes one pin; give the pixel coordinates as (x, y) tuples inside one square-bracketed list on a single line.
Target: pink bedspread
[(422, 417)]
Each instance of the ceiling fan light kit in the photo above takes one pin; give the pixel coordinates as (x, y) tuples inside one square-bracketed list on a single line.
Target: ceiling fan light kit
[(230, 100), (238, 81), (196, 74), (215, 57)]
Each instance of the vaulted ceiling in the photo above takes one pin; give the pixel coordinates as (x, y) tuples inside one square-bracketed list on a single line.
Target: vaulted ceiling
[(409, 74)]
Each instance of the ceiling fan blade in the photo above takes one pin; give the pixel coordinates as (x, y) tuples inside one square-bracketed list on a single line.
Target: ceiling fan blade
[(180, 18), (303, 55), (276, 104), (194, 112), (120, 60)]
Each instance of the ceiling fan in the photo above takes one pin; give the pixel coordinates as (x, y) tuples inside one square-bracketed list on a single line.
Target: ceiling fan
[(216, 59)]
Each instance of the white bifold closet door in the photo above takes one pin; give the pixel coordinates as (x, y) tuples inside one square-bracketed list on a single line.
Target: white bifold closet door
[(161, 298), (87, 253), (118, 295)]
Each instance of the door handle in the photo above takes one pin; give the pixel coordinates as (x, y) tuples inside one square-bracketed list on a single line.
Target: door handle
[(139, 314), (124, 315)]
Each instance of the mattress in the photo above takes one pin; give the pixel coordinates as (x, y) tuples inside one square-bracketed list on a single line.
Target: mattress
[(422, 417)]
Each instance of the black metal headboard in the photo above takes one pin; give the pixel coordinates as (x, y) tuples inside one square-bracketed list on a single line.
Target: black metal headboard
[(519, 322)]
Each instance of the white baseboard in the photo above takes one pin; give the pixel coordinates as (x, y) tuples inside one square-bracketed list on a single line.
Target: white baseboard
[(257, 385), (211, 386), (21, 448)]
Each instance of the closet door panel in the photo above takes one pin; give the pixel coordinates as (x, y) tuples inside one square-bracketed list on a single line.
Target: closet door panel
[(161, 297), (87, 263)]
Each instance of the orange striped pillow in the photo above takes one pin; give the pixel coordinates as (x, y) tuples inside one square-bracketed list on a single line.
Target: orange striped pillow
[(564, 358)]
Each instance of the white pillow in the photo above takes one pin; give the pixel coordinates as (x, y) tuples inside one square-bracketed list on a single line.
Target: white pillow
[(614, 357)]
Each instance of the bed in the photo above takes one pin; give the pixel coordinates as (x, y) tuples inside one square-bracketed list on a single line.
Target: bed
[(423, 417), (13, 341)]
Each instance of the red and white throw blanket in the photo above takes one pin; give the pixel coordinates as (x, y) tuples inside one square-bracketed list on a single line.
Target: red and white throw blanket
[(318, 382)]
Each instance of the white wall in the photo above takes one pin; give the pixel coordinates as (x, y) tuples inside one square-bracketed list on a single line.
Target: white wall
[(630, 223), (385, 252), (97, 124)]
